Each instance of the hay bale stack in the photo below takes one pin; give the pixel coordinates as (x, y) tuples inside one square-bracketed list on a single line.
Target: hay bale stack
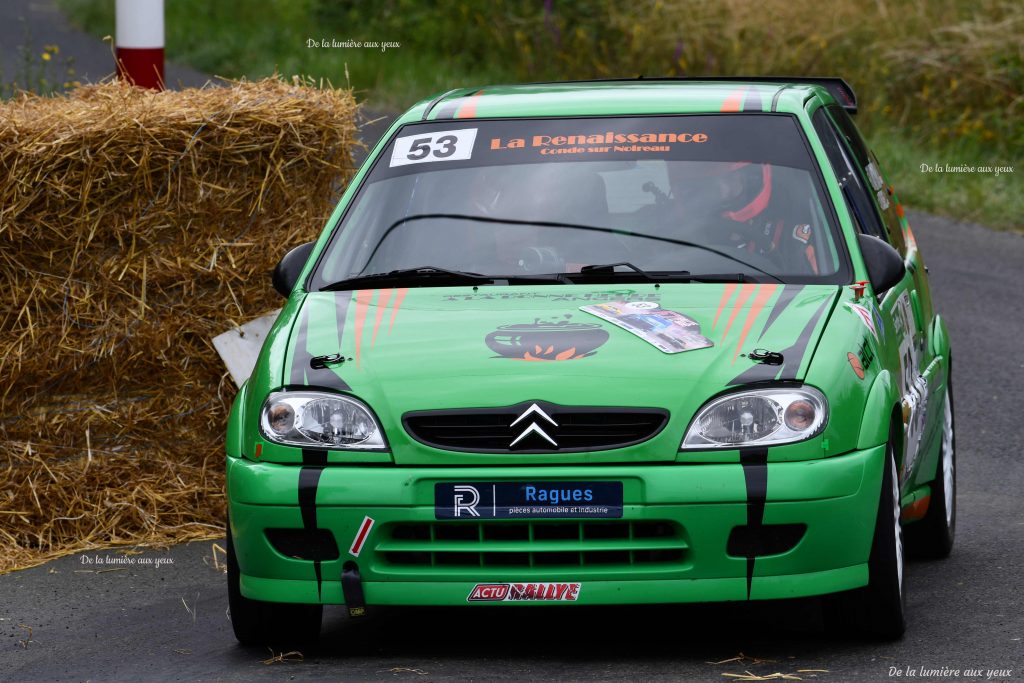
[(135, 226)]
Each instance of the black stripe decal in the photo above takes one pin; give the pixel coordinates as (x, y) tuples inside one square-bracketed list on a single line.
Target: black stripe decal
[(304, 374), (309, 479), (752, 102), (789, 292), (792, 356), (448, 109), (300, 360), (759, 372), (755, 475), (433, 103), (313, 462)]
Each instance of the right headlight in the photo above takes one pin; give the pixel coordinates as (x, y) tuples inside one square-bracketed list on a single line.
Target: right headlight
[(758, 417), (310, 418)]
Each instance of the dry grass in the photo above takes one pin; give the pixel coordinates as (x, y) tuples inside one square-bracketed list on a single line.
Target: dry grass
[(942, 71), (134, 226)]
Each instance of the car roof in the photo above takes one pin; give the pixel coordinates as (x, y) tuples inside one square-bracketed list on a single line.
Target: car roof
[(625, 97)]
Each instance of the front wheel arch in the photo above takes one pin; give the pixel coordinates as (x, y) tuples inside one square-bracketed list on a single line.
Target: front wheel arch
[(881, 405)]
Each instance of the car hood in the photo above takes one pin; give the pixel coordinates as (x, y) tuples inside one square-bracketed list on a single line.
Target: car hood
[(404, 350)]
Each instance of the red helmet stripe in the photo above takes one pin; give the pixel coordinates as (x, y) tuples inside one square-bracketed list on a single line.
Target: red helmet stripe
[(758, 204)]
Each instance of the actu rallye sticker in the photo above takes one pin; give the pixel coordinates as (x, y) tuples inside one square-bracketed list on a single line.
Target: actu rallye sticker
[(525, 592)]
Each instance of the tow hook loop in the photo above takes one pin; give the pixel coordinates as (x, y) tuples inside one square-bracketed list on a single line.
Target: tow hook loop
[(352, 590)]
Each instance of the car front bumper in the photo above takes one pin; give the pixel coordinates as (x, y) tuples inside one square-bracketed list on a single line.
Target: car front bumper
[(672, 543)]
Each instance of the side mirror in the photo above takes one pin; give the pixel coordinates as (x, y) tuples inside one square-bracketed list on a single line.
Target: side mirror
[(885, 265), (286, 273)]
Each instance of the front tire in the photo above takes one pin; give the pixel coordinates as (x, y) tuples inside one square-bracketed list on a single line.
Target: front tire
[(932, 537), (275, 624), (885, 596), (877, 610)]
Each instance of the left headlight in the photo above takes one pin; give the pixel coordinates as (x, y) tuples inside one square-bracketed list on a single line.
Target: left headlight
[(758, 417), (307, 418)]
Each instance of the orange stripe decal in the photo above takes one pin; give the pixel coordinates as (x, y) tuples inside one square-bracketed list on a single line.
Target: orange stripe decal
[(363, 298), (726, 295), (382, 304), (399, 296), (468, 110), (764, 292), (741, 301), (734, 102)]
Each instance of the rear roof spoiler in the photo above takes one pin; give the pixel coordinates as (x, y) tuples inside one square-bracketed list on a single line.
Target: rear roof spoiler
[(837, 87)]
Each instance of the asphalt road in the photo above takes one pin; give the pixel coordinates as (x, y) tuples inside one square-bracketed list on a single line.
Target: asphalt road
[(37, 23), (164, 616), (146, 622)]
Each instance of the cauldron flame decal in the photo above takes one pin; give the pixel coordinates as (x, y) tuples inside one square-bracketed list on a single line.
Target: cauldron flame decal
[(547, 341)]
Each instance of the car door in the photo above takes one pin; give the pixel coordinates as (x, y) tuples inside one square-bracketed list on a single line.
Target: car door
[(906, 321)]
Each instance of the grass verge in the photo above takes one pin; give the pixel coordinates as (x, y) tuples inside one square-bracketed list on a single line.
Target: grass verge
[(940, 83)]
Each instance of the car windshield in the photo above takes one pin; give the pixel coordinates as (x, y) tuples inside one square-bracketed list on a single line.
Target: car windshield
[(704, 194)]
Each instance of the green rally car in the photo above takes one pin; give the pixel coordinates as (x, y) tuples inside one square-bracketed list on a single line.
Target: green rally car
[(646, 341)]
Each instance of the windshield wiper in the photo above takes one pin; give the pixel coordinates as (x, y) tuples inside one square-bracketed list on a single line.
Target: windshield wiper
[(729, 277), (607, 272), (578, 226), (423, 276), (608, 268), (409, 276)]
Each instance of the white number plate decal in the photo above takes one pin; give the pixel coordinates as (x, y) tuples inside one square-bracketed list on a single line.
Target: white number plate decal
[(443, 145)]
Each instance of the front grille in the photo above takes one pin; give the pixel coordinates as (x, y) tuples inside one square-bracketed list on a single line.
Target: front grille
[(567, 428), (547, 544)]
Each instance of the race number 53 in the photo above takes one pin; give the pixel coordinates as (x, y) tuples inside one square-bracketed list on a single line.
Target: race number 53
[(442, 145)]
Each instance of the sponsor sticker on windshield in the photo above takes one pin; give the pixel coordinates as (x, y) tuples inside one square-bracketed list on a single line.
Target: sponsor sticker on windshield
[(666, 330), (441, 145), (419, 147), (607, 142)]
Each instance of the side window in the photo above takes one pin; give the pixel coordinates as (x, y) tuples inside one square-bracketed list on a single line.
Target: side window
[(892, 218), (858, 198), (868, 164), (849, 132)]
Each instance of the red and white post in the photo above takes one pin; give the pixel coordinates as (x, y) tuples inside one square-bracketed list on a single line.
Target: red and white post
[(140, 42)]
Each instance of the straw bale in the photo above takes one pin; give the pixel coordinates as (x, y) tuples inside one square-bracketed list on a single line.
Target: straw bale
[(134, 227)]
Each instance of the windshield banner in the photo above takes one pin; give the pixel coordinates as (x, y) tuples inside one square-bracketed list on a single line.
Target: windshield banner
[(437, 146)]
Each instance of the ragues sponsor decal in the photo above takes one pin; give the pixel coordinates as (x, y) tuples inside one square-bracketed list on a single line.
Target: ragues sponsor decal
[(525, 592)]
